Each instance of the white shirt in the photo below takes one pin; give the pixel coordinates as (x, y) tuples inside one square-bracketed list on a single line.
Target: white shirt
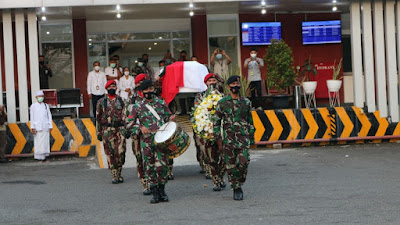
[(41, 119), (112, 72), (221, 67), (124, 84), (254, 72), (96, 83)]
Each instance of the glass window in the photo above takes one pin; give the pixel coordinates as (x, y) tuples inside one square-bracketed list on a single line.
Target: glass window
[(59, 32), (181, 34), (180, 45), (229, 44), (59, 56), (137, 36), (96, 37), (97, 52), (222, 27)]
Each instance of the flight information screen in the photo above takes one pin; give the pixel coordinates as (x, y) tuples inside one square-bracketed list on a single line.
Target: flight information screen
[(260, 33), (322, 32)]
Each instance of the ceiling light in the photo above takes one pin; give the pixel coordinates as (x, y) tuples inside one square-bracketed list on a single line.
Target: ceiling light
[(90, 43), (191, 13), (43, 9), (263, 11), (334, 8), (263, 3), (150, 48), (333, 1), (118, 7), (48, 32), (160, 37), (155, 43), (119, 15), (44, 18), (191, 5), (90, 39)]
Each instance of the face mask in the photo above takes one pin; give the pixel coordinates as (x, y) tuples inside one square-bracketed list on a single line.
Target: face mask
[(113, 65), (212, 85), (219, 56), (126, 73), (41, 63), (235, 89), (168, 61), (97, 68), (111, 91), (40, 99), (148, 95), (145, 60), (253, 55), (140, 64)]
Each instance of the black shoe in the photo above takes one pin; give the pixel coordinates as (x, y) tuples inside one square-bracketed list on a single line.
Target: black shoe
[(223, 184), (115, 181), (238, 194), (216, 188), (121, 179), (163, 196), (202, 171), (146, 192), (156, 195), (170, 177), (208, 177)]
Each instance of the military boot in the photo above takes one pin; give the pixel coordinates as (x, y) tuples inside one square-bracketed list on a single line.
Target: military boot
[(163, 196), (120, 178), (114, 174), (156, 195), (238, 194), (222, 184), (146, 189)]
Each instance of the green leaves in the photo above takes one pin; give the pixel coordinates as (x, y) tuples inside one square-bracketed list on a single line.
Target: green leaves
[(279, 65), (336, 69)]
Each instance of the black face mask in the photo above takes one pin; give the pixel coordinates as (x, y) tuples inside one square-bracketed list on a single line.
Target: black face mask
[(235, 89), (111, 91), (41, 63), (145, 60), (148, 95), (212, 85)]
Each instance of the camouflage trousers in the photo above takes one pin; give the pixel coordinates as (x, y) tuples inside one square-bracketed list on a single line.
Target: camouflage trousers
[(137, 151), (114, 148), (170, 166), (214, 161), (155, 161), (237, 161), (199, 153)]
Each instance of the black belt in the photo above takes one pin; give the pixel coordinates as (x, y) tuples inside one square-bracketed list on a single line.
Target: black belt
[(115, 125)]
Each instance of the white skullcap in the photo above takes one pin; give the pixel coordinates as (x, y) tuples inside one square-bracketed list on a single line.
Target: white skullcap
[(39, 93)]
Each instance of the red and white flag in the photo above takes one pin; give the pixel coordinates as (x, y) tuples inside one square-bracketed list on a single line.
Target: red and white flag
[(185, 76)]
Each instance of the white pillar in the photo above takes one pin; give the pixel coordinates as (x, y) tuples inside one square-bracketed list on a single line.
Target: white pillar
[(33, 53), (368, 56), (380, 70), (356, 54), (391, 61), (1, 82), (9, 66), (21, 59)]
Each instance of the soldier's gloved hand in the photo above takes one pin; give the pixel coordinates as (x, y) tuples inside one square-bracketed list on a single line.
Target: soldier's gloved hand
[(99, 137)]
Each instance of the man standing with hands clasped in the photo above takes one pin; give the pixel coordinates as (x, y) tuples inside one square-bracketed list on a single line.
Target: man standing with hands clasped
[(41, 126), (254, 65), (233, 116), (95, 85)]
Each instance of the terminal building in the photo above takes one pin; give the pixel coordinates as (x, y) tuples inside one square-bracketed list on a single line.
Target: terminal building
[(73, 34)]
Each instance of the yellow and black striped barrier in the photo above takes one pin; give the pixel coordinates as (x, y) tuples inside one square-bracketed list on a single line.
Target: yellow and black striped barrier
[(68, 135), (323, 125)]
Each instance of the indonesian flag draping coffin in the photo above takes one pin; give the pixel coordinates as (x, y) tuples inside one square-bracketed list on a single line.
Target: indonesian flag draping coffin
[(183, 77)]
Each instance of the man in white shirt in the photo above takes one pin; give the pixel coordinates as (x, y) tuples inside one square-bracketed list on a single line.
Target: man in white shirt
[(220, 61), (95, 85), (254, 65), (113, 72), (41, 126)]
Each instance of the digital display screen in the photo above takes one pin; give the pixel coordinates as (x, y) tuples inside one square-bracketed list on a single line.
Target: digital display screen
[(322, 32), (260, 33)]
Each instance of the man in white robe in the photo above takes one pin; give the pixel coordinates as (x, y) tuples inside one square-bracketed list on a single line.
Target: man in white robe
[(41, 126), (126, 85)]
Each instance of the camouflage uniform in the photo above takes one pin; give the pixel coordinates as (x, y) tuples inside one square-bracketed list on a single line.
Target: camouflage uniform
[(155, 158), (212, 157), (237, 136), (110, 126), (136, 144)]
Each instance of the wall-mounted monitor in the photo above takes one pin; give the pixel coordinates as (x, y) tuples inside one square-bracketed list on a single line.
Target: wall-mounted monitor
[(322, 32), (260, 33)]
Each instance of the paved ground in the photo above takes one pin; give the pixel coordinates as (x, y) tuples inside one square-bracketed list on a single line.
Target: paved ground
[(327, 185)]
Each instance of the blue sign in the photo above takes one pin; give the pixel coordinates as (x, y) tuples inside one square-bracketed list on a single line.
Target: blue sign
[(322, 32), (260, 33)]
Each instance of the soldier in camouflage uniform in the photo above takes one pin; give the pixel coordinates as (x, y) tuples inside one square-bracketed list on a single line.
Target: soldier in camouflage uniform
[(155, 157), (110, 118), (137, 151), (212, 156), (233, 113)]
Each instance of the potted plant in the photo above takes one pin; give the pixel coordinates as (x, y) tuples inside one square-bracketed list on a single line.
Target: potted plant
[(335, 84), (280, 71), (306, 70)]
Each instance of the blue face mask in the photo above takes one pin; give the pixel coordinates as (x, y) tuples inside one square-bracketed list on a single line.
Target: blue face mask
[(219, 56), (113, 65), (40, 99), (140, 64)]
